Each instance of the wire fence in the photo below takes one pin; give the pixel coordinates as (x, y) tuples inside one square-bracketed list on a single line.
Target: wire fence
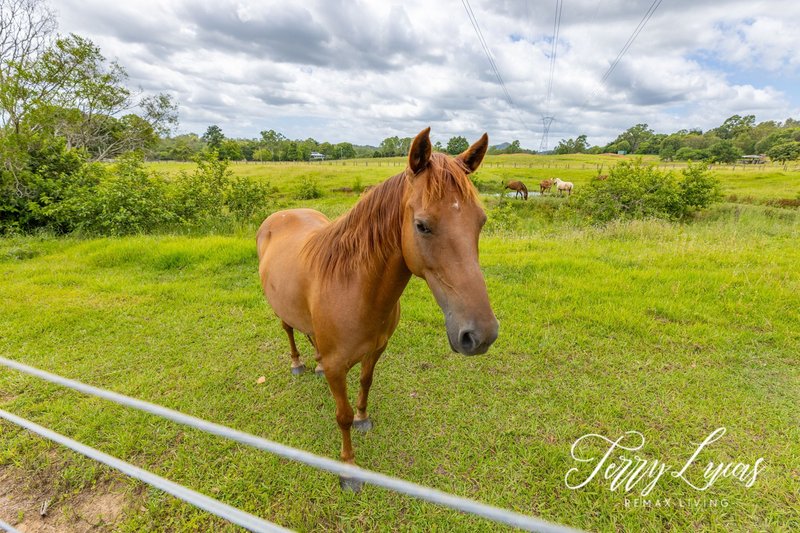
[(234, 515)]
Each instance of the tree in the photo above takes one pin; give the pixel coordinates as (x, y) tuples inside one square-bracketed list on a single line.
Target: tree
[(724, 152), (735, 126), (513, 148), (213, 137), (633, 136), (344, 151), (26, 30), (272, 140), (789, 151), (456, 145), (262, 154), (571, 146), (230, 149)]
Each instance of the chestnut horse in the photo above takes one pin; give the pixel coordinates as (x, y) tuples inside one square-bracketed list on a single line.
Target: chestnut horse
[(519, 187), (339, 282), (545, 186)]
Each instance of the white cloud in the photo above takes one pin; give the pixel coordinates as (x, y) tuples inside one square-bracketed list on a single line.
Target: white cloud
[(363, 71)]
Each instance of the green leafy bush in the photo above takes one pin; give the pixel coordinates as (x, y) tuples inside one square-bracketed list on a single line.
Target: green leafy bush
[(247, 199), (635, 191), (502, 218), (308, 189), (129, 200)]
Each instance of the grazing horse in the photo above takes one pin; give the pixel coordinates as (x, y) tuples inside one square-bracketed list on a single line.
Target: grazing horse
[(339, 282), (563, 186), (519, 187), (545, 186)]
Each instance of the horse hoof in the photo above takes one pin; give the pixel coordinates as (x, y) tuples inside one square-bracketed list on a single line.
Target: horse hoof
[(350, 484), (297, 370), (319, 373), (363, 425)]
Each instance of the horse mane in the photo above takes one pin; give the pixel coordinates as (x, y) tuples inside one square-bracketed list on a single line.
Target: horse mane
[(366, 236)]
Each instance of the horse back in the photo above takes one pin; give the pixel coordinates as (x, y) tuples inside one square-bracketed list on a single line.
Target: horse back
[(285, 276)]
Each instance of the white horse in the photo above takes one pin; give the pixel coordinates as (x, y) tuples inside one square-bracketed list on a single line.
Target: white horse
[(563, 186)]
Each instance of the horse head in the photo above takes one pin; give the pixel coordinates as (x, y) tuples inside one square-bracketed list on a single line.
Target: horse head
[(442, 220)]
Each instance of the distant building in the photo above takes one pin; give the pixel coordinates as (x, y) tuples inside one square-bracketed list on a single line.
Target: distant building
[(316, 156), (753, 159)]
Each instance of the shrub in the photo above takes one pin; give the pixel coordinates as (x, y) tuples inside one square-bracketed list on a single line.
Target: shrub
[(635, 191), (502, 218), (308, 190), (130, 200), (199, 196), (694, 154), (127, 198), (245, 198), (699, 188)]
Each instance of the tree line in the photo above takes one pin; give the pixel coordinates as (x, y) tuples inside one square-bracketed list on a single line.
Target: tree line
[(735, 137), (275, 146)]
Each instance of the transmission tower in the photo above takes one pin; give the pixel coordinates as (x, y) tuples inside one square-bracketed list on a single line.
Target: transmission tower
[(546, 122)]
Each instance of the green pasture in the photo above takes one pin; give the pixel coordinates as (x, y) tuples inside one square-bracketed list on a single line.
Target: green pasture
[(672, 330), (747, 183)]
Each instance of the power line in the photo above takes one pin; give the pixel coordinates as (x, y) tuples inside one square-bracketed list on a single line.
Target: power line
[(554, 51), (547, 119), (474, 21), (628, 43)]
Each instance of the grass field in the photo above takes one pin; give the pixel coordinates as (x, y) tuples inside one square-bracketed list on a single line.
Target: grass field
[(672, 330)]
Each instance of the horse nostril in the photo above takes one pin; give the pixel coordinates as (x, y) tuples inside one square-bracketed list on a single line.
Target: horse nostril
[(468, 341)]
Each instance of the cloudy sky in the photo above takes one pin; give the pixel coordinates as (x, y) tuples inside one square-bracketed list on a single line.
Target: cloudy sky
[(361, 71)]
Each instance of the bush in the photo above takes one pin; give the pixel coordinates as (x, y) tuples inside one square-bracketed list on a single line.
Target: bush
[(308, 190), (211, 194), (502, 218), (246, 198), (34, 174), (199, 196), (699, 188), (693, 154), (129, 200), (636, 191)]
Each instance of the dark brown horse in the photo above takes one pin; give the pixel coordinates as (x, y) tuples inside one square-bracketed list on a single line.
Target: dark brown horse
[(545, 186), (339, 282), (519, 187)]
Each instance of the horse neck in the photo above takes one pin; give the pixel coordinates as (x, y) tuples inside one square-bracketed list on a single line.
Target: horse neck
[(365, 244)]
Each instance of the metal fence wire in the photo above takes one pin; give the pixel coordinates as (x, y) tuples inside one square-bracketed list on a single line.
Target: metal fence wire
[(232, 514)]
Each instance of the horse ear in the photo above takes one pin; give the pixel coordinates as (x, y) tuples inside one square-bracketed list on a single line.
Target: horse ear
[(473, 156), (420, 152)]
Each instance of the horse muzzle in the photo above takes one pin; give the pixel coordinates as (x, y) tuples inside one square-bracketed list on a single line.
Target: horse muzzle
[(472, 340)]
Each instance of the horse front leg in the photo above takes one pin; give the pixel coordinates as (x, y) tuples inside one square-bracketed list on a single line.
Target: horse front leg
[(362, 421), (337, 381)]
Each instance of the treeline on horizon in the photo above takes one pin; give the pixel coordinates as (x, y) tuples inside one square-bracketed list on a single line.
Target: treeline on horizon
[(275, 146), (735, 137)]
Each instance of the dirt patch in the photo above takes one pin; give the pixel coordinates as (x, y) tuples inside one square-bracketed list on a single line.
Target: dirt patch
[(94, 509)]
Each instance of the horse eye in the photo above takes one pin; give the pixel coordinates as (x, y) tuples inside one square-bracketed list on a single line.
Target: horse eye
[(422, 227)]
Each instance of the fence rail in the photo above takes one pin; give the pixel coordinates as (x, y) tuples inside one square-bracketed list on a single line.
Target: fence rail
[(232, 514), (457, 503)]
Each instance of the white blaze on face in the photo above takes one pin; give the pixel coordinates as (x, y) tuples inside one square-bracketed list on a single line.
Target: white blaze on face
[(456, 206)]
